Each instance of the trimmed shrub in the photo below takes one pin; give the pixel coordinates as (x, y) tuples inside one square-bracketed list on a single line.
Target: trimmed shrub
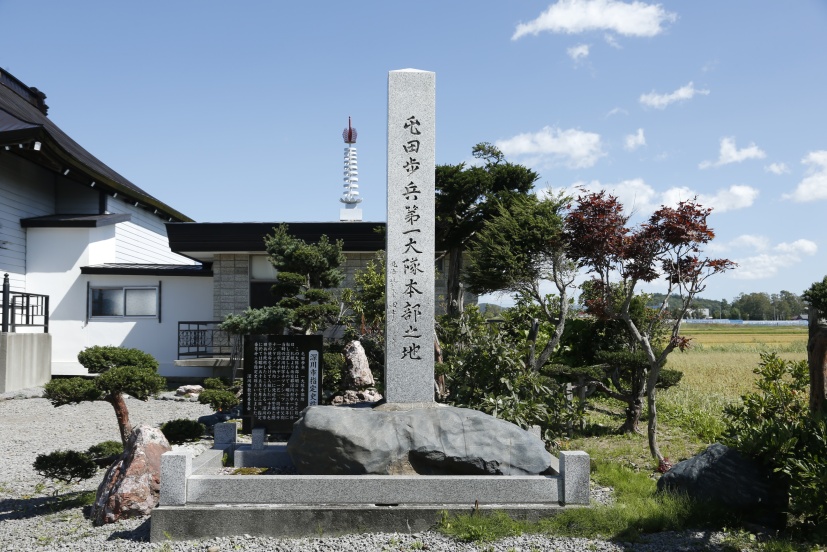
[(105, 449), (219, 399), (103, 454), (69, 466), (72, 390), (99, 359), (182, 430), (668, 378), (141, 383), (216, 383)]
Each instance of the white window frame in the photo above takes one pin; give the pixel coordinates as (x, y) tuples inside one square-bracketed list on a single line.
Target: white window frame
[(124, 290)]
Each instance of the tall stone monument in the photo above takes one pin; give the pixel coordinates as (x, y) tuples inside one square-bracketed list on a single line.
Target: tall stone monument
[(409, 353)]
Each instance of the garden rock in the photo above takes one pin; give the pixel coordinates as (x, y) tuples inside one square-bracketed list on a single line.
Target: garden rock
[(131, 485), (723, 475), (354, 397), (331, 440), (189, 390), (357, 372), (220, 417)]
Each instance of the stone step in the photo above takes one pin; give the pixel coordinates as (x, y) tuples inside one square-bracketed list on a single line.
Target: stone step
[(294, 521), (372, 489)]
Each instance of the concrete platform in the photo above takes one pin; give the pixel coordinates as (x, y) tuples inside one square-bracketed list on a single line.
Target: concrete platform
[(197, 502), (287, 520)]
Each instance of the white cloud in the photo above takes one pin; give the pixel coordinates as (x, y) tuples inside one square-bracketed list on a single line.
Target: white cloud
[(635, 195), (814, 185), (577, 16), (579, 52), (553, 146), (734, 197), (661, 101), (804, 247), (758, 243), (777, 168), (611, 41), (634, 141), (769, 260), (731, 154), (616, 111), (639, 197)]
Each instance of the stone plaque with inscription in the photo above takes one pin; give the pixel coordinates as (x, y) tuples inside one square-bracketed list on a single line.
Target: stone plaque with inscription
[(409, 334), (282, 376)]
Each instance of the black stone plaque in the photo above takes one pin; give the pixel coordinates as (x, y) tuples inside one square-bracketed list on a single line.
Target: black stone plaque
[(282, 376)]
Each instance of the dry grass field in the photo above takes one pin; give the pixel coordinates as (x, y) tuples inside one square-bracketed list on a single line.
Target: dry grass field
[(717, 371), (721, 359)]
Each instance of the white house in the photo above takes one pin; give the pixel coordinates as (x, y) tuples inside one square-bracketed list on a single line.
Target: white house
[(73, 229), (120, 267)]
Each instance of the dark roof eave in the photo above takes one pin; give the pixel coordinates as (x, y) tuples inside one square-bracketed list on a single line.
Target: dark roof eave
[(100, 179), (75, 221), (226, 237), (148, 270)]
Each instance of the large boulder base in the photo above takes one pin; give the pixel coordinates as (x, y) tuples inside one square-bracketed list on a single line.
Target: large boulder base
[(131, 485), (723, 476), (440, 440)]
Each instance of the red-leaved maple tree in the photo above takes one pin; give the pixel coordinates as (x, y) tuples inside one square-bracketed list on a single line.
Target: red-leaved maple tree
[(669, 246)]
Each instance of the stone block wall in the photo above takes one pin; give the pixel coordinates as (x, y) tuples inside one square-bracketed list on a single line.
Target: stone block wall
[(231, 285), (231, 278)]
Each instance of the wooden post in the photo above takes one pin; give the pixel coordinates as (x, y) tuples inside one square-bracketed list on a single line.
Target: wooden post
[(817, 361)]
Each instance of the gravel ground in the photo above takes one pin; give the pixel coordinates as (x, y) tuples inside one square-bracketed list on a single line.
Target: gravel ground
[(29, 519)]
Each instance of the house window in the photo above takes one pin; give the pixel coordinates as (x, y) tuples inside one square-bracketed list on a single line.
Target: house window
[(123, 301)]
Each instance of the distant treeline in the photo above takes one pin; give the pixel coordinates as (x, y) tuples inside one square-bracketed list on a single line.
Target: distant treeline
[(784, 305)]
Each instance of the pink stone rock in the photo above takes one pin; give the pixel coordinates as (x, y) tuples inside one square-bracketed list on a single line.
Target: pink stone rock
[(131, 486), (352, 397)]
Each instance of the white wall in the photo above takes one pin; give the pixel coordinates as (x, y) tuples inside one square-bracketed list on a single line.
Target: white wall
[(182, 298), (25, 191), (55, 258), (143, 239)]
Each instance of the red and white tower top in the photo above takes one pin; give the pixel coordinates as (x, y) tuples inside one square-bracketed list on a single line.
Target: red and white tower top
[(350, 196)]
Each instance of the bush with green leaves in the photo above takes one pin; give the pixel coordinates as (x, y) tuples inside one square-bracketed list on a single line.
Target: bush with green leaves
[(104, 453), (216, 383), (182, 430), (485, 370), (69, 466), (816, 295), (219, 399), (334, 367), (99, 359), (774, 425), (263, 321), (105, 449)]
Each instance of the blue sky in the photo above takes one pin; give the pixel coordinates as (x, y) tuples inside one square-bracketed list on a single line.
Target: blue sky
[(234, 111)]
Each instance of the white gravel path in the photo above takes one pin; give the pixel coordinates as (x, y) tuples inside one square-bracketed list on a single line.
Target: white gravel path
[(31, 426)]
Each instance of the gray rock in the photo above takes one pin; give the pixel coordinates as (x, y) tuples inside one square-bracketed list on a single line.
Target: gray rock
[(131, 486), (330, 440), (723, 475)]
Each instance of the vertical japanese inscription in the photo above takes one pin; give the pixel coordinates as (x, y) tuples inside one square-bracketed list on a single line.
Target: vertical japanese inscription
[(409, 360), (282, 376)]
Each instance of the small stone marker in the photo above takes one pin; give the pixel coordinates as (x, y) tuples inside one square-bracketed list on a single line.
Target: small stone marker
[(409, 334), (282, 376)]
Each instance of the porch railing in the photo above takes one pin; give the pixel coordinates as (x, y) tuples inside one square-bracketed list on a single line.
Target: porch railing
[(204, 339), (20, 310)]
